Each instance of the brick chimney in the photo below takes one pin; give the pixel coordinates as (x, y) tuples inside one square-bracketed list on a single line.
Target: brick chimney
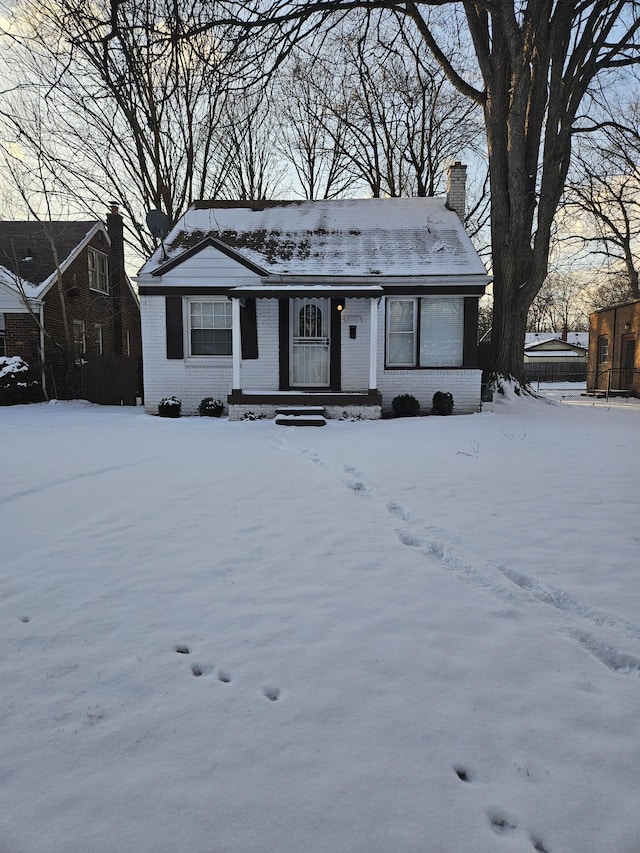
[(116, 272), (457, 188)]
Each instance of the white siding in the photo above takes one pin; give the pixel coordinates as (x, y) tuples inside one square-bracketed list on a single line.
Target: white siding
[(355, 353), (11, 302), (262, 373), (193, 379), (207, 268), (463, 383)]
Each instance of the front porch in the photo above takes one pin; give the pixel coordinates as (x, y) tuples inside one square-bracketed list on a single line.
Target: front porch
[(362, 404)]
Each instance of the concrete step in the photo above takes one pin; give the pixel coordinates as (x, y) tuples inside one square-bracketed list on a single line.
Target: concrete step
[(300, 410), (301, 420)]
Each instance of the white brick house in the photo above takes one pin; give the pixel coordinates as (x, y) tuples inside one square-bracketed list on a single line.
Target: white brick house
[(344, 303)]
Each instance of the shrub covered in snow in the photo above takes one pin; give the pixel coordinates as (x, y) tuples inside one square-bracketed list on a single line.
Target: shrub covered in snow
[(442, 403), (170, 407), (405, 406), (211, 408), (16, 384)]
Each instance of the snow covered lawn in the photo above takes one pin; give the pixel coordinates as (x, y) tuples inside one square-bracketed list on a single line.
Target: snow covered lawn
[(409, 636)]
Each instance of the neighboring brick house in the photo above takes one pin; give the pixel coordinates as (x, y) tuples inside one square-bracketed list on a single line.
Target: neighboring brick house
[(49, 268), (614, 352), (341, 304)]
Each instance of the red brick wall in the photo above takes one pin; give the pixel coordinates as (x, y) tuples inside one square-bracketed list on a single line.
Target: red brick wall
[(619, 325), (22, 335)]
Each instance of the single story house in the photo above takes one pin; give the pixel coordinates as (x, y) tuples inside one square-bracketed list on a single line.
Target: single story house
[(68, 275), (553, 356), (344, 304), (614, 354)]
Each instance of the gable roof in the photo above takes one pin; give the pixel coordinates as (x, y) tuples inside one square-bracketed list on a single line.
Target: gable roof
[(25, 248), (337, 238), (552, 341)]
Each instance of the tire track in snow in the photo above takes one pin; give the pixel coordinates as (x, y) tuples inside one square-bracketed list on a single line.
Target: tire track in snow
[(81, 475)]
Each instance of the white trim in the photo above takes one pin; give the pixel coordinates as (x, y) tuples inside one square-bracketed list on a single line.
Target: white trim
[(95, 272), (187, 302), (414, 331), (373, 346), (46, 285), (99, 340)]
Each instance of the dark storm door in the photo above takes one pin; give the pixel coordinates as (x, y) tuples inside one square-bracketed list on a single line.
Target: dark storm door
[(628, 362)]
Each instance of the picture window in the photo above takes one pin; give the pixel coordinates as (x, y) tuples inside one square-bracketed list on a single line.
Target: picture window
[(425, 332)]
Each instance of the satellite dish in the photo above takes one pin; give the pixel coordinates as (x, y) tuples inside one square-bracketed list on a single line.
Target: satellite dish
[(158, 224)]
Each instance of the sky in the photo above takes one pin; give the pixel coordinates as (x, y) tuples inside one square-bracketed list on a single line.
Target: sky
[(403, 635)]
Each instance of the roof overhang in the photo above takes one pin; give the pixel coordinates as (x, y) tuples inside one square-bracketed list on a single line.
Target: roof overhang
[(21, 295), (296, 290)]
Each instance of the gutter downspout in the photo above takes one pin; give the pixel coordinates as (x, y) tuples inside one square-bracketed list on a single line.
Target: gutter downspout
[(43, 377), (613, 348)]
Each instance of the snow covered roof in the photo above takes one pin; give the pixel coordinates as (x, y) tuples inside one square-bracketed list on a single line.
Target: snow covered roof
[(338, 238), (574, 339), (10, 279), (26, 252)]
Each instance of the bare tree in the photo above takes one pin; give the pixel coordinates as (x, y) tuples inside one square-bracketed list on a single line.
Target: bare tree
[(311, 140), (603, 191), (248, 149), (399, 120), (30, 179), (536, 61), (140, 122), (560, 305), (608, 288)]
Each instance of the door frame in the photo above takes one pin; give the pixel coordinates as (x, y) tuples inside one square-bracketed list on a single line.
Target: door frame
[(627, 371), (322, 341), (335, 351)]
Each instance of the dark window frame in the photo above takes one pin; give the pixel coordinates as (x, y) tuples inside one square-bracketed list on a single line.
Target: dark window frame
[(417, 325)]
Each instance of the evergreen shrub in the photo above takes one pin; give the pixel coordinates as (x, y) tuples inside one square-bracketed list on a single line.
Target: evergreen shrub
[(170, 407), (16, 384), (210, 408), (405, 406), (442, 403)]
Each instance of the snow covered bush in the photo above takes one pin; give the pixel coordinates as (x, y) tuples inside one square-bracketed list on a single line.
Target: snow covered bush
[(211, 408), (442, 403), (16, 385), (405, 406), (252, 416), (170, 407)]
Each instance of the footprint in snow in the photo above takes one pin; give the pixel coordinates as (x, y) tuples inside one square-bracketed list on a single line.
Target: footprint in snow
[(501, 822), (313, 455), (399, 511), (271, 693), (224, 677), (181, 649), (463, 774)]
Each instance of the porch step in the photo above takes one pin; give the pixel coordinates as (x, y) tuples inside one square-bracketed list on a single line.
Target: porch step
[(300, 416)]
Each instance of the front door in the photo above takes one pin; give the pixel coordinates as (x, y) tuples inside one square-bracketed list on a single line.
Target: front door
[(628, 362), (310, 343)]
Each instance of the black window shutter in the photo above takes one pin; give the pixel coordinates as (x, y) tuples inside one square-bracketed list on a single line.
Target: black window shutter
[(175, 334), (249, 329)]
